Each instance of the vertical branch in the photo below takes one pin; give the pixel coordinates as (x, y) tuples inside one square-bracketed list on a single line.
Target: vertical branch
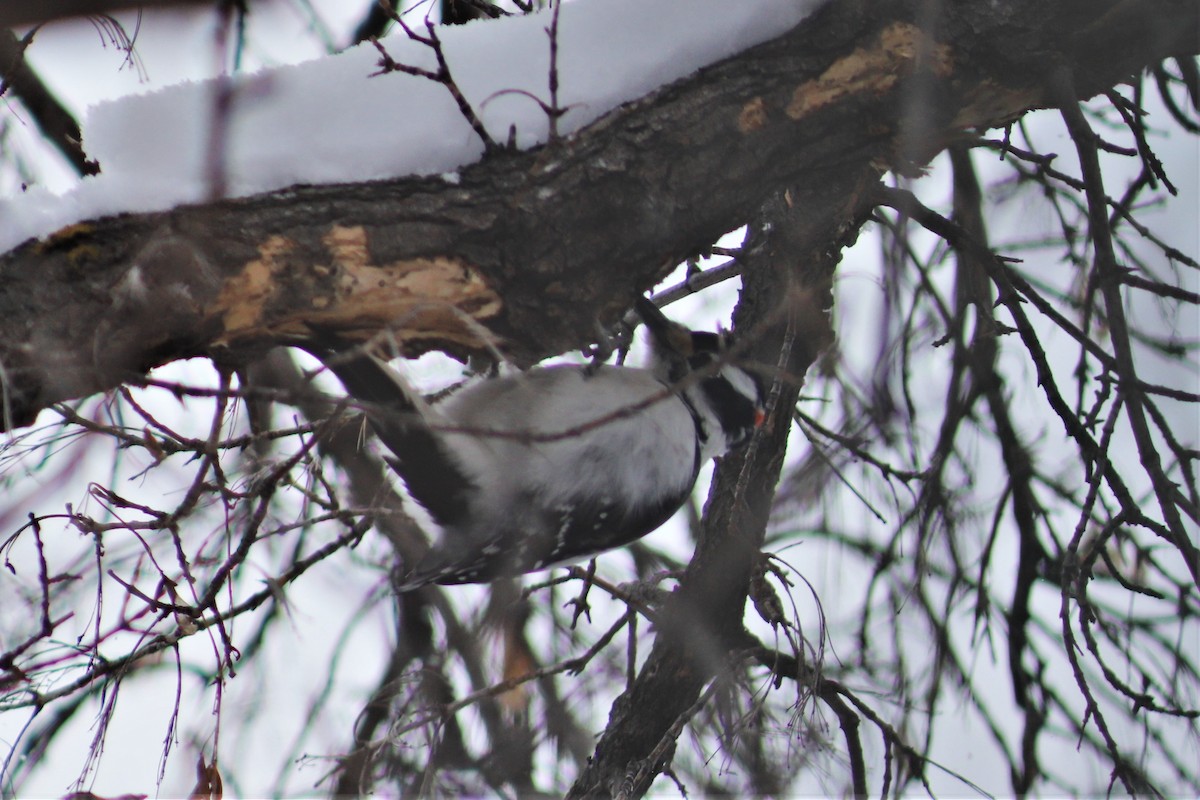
[(1018, 462), (785, 299), (1109, 277), (848, 722), (554, 112)]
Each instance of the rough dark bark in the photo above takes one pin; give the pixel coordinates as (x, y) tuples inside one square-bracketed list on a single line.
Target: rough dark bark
[(784, 314), (540, 245)]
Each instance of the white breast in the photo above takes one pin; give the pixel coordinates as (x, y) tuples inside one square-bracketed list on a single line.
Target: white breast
[(557, 432)]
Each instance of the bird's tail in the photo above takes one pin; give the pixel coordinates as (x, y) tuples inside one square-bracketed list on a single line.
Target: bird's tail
[(421, 455)]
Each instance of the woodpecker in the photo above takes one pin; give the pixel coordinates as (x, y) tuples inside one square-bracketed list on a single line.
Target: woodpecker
[(526, 471)]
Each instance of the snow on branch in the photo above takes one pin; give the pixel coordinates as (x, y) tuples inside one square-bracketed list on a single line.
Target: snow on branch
[(325, 121)]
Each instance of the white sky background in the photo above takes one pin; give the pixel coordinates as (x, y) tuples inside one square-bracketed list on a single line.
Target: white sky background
[(142, 144)]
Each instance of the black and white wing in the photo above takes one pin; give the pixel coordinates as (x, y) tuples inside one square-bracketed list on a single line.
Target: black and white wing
[(434, 476), (571, 462)]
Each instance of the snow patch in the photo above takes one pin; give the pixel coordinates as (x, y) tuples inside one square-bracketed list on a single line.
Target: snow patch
[(329, 121)]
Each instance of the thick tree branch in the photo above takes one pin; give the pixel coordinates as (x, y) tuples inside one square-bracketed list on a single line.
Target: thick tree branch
[(784, 304), (538, 246)]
